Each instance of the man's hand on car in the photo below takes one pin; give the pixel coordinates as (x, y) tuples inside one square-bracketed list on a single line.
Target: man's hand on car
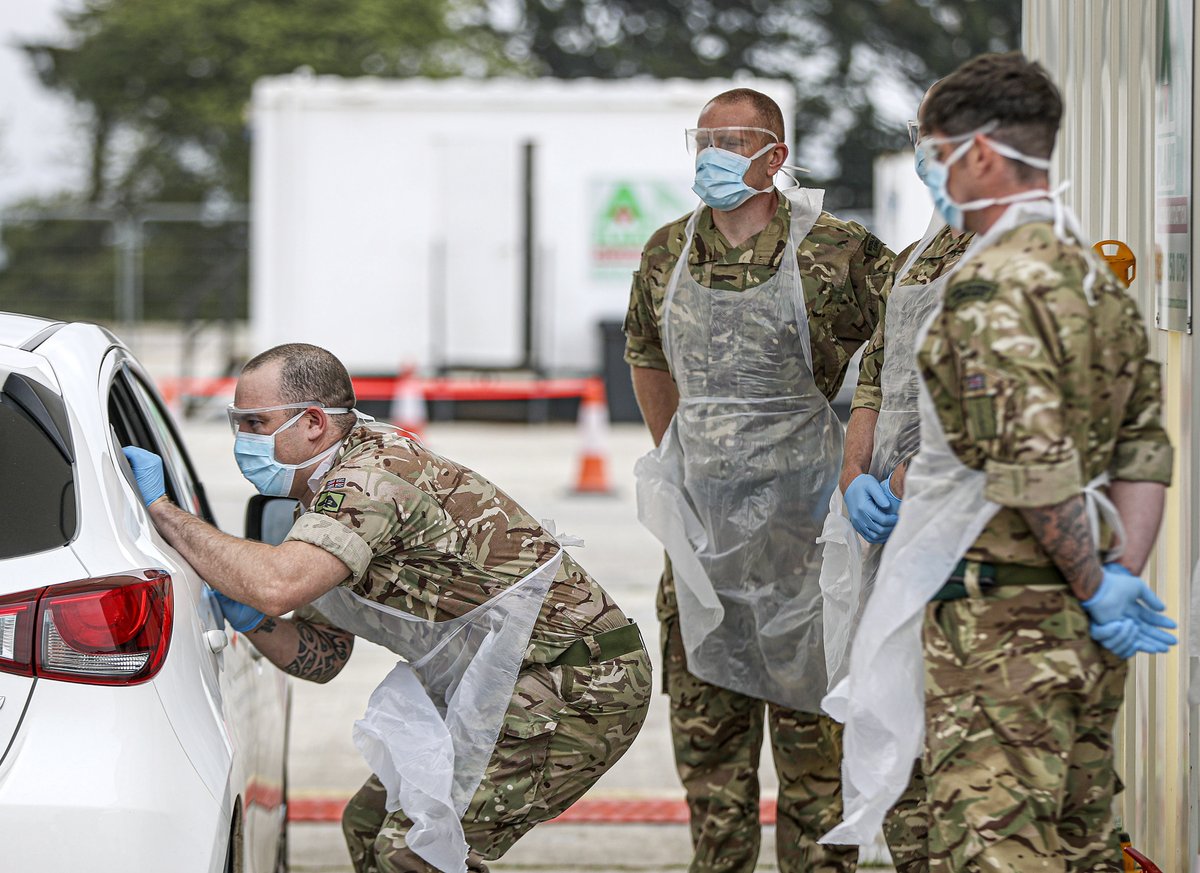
[(148, 471)]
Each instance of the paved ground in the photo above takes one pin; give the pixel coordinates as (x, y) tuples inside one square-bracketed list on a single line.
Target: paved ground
[(537, 465)]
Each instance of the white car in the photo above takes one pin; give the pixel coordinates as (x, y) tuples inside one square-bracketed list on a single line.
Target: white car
[(137, 732)]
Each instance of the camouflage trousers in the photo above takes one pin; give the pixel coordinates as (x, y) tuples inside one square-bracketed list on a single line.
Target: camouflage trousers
[(906, 827), (1020, 704), (565, 727), (718, 735)]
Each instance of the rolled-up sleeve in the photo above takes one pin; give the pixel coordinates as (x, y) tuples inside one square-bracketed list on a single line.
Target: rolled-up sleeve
[(868, 394), (1143, 450), (332, 536), (643, 343)]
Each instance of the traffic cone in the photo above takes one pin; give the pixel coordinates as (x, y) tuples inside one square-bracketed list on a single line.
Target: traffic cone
[(593, 436), (408, 405)]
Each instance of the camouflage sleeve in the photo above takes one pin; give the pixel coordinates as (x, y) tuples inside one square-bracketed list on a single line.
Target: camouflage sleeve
[(357, 515), (870, 269), (643, 345), (1008, 365), (869, 393), (1143, 450)]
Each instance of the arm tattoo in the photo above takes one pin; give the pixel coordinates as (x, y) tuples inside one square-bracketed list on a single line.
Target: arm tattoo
[(266, 625), (321, 652), (1064, 533)]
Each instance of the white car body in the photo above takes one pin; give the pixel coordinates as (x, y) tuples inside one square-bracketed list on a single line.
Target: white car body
[(182, 771)]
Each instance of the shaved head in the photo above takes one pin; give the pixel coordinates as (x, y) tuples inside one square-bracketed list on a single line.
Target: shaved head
[(766, 112), (308, 373)]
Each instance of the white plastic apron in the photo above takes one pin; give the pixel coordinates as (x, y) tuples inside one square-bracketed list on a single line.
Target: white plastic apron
[(737, 489), (432, 723), (882, 701), (849, 563)]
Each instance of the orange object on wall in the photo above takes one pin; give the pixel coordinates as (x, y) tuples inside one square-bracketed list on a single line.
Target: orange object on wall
[(1120, 258)]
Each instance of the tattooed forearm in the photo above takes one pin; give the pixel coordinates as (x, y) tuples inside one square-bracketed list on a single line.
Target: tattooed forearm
[(1064, 533), (321, 652), (308, 650)]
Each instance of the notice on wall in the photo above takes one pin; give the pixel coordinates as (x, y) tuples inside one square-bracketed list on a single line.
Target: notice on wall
[(1173, 160), (623, 215)]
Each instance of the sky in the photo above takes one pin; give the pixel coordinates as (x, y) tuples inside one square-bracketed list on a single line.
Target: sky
[(41, 151)]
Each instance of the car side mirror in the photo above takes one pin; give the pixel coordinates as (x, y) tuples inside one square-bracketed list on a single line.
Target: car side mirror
[(268, 519)]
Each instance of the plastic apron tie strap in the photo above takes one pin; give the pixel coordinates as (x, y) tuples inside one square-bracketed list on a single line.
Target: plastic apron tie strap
[(565, 540), (1098, 505), (431, 725)]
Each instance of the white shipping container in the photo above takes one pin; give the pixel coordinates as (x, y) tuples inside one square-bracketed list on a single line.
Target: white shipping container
[(389, 215)]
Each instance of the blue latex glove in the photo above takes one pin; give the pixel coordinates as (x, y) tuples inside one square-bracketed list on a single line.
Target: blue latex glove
[(148, 471), (869, 508), (1122, 595), (893, 500), (1126, 637), (241, 617)]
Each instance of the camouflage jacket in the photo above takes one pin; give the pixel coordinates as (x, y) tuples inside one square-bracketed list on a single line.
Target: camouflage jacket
[(842, 266), (1038, 389), (940, 256), (426, 535)]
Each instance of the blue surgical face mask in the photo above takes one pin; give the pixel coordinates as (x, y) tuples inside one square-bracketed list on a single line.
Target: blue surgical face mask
[(936, 174), (255, 455), (720, 177)]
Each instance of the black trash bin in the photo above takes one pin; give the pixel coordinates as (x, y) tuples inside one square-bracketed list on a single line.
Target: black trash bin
[(622, 404)]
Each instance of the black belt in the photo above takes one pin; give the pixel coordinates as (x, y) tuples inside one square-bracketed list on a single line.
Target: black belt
[(994, 576), (601, 647)]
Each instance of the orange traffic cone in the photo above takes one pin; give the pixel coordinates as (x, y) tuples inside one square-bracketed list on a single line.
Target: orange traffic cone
[(593, 435), (408, 405)]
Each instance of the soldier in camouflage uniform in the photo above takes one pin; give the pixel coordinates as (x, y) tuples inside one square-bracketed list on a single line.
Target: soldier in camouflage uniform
[(906, 827), (717, 732), (402, 526), (1037, 369)]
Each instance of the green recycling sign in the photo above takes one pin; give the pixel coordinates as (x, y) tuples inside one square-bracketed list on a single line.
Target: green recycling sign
[(624, 213)]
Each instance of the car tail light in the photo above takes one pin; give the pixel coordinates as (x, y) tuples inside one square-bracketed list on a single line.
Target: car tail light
[(17, 621), (111, 630)]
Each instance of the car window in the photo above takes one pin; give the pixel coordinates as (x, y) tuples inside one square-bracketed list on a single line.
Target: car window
[(39, 510), (172, 453)]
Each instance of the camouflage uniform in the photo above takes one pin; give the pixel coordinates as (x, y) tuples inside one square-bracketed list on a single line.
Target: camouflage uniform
[(426, 535), (1043, 393), (906, 827), (717, 733), (939, 257)]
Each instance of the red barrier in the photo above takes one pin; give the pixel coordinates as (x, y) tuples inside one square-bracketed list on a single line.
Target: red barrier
[(597, 810), (384, 388)]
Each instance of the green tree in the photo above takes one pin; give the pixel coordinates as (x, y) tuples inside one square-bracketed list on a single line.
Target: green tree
[(168, 82), (859, 66)]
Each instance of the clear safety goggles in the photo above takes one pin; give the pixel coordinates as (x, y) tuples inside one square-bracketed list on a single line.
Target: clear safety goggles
[(742, 140), (239, 416)]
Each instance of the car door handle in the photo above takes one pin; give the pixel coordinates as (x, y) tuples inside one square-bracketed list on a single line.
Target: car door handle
[(217, 640)]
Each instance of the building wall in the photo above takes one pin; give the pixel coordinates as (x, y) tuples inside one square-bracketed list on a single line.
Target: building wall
[(1104, 54)]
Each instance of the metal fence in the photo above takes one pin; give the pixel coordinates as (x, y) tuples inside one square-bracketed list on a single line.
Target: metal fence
[(170, 278)]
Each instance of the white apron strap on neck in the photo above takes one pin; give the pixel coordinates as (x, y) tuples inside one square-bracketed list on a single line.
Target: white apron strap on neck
[(1098, 504)]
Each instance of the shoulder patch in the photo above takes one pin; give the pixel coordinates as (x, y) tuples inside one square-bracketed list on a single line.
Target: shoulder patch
[(335, 483), (328, 501), (970, 292), (873, 247)]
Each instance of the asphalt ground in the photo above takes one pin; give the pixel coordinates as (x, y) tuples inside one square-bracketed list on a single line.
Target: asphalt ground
[(537, 465)]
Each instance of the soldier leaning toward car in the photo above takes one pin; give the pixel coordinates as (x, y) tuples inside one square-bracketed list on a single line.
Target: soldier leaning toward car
[(400, 526)]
